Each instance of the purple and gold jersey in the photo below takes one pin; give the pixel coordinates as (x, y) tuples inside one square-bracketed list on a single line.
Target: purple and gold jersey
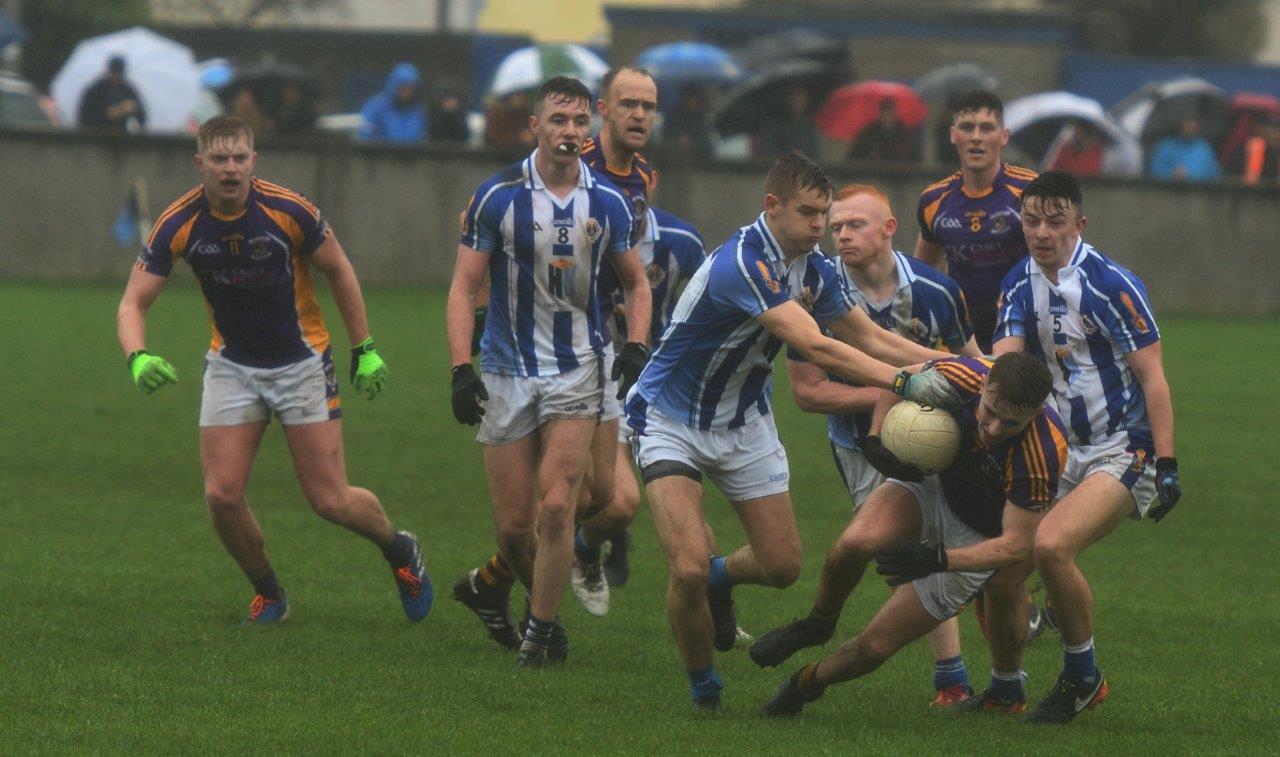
[(636, 184), (982, 234), (1023, 469), (253, 270)]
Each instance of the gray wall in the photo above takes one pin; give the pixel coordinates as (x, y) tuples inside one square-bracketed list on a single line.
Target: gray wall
[(1202, 250)]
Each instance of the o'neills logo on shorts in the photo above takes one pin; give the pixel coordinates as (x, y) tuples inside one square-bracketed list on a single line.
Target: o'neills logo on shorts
[(777, 477), (575, 407)]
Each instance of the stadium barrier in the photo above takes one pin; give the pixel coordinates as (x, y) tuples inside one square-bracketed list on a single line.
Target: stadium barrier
[(1200, 249)]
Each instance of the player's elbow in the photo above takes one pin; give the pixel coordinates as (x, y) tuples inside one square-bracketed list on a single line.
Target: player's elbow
[(805, 396)]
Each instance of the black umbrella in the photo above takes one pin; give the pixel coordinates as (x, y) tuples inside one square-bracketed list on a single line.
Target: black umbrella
[(793, 44), (763, 95), (266, 80), (1158, 109)]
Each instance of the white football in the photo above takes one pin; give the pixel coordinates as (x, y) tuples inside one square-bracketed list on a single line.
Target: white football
[(924, 436)]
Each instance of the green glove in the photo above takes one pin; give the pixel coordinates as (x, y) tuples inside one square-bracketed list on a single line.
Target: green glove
[(150, 372), (368, 371)]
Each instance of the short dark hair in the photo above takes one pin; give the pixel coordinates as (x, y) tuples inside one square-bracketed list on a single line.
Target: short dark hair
[(561, 88), (793, 173), (975, 100), (612, 74), (1054, 189), (1019, 380)]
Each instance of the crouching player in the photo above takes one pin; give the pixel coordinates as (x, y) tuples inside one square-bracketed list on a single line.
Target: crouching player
[(1088, 319), (938, 539)]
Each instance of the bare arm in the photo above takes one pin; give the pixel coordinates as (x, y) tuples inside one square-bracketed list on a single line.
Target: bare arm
[(331, 260), (131, 316), (815, 393), (970, 348), (1009, 344), (1148, 366), (636, 294), (790, 323), (460, 311), (856, 329), (1012, 546), (932, 253)]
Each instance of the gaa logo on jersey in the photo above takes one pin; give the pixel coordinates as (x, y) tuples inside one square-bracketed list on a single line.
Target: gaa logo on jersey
[(593, 230), (656, 274), (202, 247)]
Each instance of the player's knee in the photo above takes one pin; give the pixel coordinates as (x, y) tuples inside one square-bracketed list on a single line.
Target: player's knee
[(783, 571), (330, 505), (689, 576), (555, 515), (855, 545), (876, 650), (1052, 550), (223, 499)]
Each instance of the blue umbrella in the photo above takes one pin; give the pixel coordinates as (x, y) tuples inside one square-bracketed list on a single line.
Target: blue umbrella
[(11, 31), (690, 63)]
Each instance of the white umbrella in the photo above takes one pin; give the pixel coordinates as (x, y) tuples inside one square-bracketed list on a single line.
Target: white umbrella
[(529, 67), (1038, 122), (163, 71)]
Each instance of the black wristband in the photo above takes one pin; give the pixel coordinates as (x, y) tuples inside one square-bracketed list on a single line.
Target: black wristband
[(359, 349), (128, 362), (1167, 463), (900, 382), (467, 367)]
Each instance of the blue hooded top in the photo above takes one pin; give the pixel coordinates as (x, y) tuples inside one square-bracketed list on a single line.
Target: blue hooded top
[(382, 119)]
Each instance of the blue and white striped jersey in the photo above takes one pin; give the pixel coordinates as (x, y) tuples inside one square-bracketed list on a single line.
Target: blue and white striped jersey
[(544, 258), (1083, 328), (927, 308), (713, 367), (670, 251)]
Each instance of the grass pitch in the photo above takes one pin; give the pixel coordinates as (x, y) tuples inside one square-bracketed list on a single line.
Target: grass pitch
[(120, 608)]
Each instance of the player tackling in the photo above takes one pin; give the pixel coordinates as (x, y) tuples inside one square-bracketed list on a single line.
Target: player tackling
[(1088, 319)]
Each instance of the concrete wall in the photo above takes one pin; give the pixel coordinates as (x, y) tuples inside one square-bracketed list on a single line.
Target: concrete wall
[(1204, 250)]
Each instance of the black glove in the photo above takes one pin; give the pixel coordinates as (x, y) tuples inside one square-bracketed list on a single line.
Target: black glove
[(1167, 487), (627, 366), (907, 562), (468, 393), (887, 463)]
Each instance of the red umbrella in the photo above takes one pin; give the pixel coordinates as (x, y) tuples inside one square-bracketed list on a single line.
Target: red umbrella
[(1247, 109), (849, 109)]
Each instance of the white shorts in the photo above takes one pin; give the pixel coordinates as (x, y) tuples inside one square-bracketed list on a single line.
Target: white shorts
[(860, 479), (745, 462), (1135, 469), (943, 594), (518, 405), (298, 393), (611, 407)]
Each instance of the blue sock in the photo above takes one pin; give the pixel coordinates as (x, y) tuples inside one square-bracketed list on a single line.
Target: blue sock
[(583, 551), (950, 672), (1007, 686), (720, 579), (704, 682), (1079, 664)]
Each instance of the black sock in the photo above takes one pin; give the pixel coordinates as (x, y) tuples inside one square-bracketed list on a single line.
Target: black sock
[(267, 585), (539, 631), (400, 551)]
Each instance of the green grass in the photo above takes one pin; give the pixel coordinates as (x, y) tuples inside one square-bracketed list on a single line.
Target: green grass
[(119, 609)]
